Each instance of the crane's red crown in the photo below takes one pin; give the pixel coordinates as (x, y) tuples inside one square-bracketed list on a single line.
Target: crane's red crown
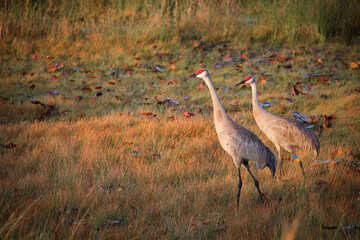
[(247, 78), (200, 71)]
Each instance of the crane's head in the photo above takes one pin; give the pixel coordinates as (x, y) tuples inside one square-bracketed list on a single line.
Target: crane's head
[(247, 80), (200, 73)]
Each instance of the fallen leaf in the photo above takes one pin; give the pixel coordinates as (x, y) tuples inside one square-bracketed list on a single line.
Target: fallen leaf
[(226, 57), (314, 120), (159, 68), (171, 118), (321, 79), (8, 145), (244, 56), (92, 99), (53, 93), (52, 69), (196, 44), (187, 114), (90, 76), (86, 89), (172, 67), (287, 66), (295, 91), (3, 100), (354, 65), (321, 182), (146, 113), (80, 222), (201, 85)]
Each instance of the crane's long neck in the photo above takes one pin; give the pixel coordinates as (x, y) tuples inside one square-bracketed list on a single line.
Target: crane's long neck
[(219, 111), (257, 108)]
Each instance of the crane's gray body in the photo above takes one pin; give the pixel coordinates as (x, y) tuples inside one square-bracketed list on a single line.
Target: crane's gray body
[(241, 144), (281, 131), (285, 133)]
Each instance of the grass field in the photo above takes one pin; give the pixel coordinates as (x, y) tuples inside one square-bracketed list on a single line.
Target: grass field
[(94, 142)]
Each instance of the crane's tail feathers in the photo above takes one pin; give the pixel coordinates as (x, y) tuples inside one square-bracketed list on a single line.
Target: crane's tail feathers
[(310, 142), (272, 161)]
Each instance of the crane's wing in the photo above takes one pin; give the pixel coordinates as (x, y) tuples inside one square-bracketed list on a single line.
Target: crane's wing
[(250, 147), (290, 134)]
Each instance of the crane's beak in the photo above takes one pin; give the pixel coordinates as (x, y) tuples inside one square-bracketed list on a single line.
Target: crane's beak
[(242, 82), (191, 76)]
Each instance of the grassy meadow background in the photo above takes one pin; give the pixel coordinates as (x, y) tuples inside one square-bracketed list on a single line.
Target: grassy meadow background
[(94, 143)]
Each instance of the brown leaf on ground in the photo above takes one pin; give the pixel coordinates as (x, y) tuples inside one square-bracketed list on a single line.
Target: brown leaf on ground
[(3, 100), (196, 44), (354, 65), (295, 91), (327, 121), (8, 145), (201, 85), (53, 93), (146, 113), (244, 56), (149, 114), (226, 57), (86, 89), (321, 182), (187, 114), (313, 119)]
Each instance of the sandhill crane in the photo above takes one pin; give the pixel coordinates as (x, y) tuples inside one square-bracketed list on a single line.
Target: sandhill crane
[(241, 144), (281, 131)]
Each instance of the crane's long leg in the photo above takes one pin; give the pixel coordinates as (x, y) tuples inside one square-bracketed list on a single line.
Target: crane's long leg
[(278, 148), (239, 187), (246, 164), (300, 164)]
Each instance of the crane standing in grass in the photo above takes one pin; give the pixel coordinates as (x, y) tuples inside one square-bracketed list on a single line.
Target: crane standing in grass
[(281, 131), (241, 144)]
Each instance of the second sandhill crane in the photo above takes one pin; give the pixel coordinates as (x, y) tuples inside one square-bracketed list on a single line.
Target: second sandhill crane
[(241, 144), (281, 131)]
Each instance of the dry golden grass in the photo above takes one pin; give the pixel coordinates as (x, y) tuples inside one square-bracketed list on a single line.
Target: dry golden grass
[(159, 178)]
